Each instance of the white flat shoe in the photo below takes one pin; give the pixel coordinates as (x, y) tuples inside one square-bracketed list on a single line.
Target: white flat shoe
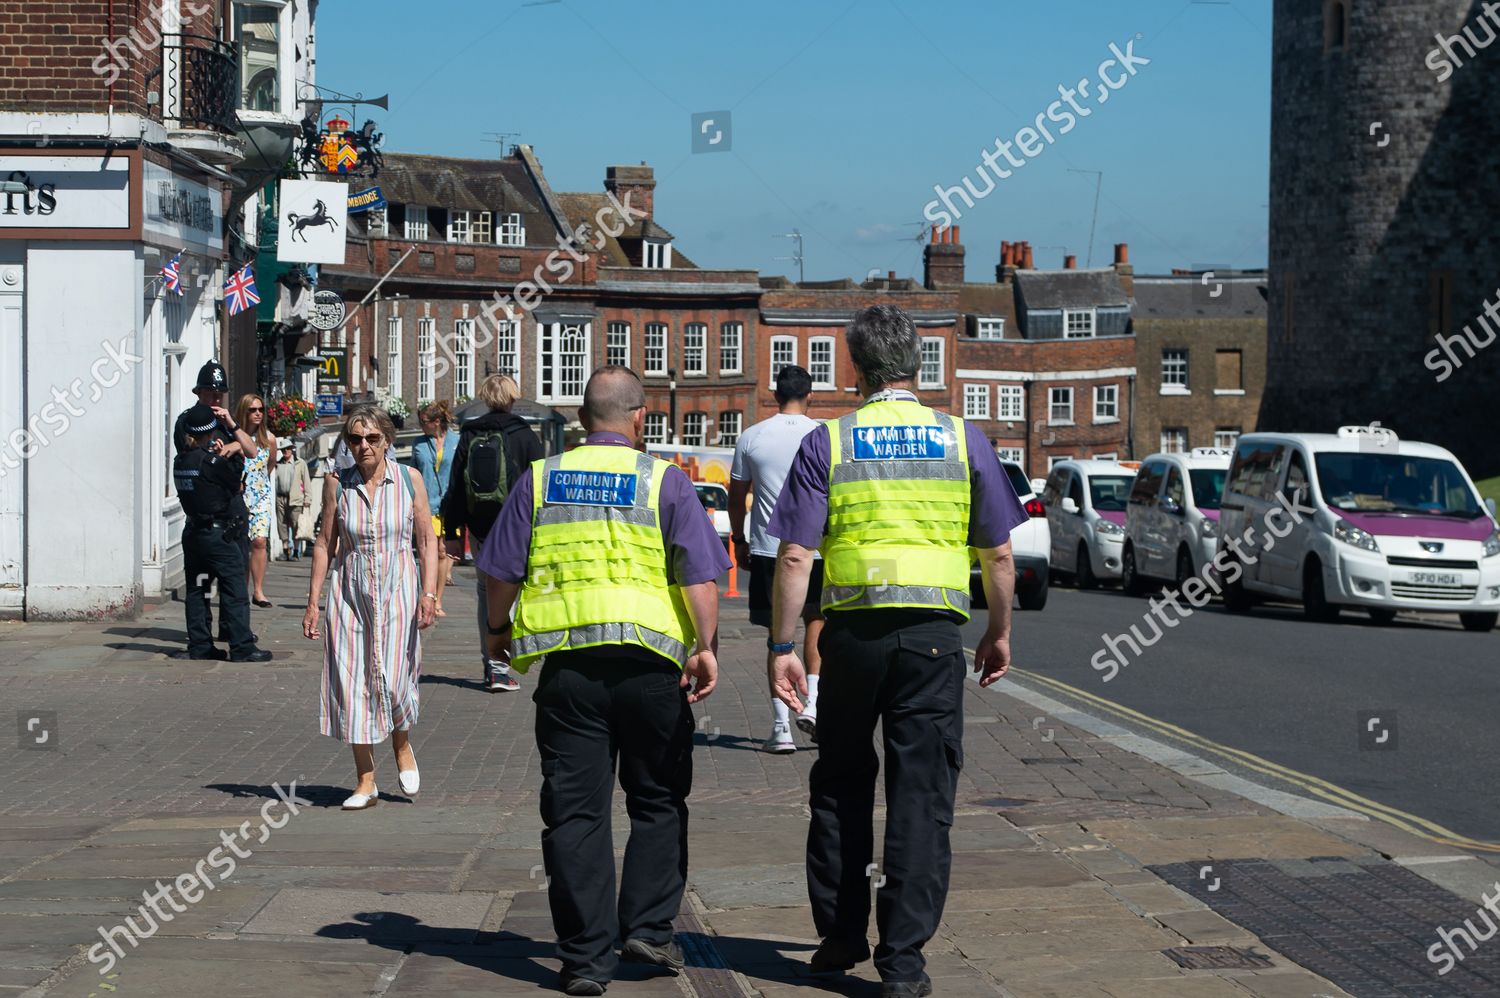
[(358, 802), (410, 780)]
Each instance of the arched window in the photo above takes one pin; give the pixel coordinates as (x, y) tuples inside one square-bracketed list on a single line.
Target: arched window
[(1335, 25)]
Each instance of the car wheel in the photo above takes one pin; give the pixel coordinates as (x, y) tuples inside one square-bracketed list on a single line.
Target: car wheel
[(1315, 605), (1130, 578), (1381, 616), (1084, 577), (1478, 621), (1034, 598), (1184, 568)]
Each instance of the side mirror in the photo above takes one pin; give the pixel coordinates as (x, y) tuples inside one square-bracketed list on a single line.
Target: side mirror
[(1069, 506), (1170, 505), (1489, 504)]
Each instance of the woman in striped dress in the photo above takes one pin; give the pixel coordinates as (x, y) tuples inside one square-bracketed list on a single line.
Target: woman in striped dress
[(371, 648)]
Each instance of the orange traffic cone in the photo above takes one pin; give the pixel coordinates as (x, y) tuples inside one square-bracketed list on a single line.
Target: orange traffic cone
[(732, 591)]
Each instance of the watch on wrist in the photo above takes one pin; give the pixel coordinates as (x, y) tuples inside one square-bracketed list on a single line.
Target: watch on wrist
[(497, 631), (781, 647)]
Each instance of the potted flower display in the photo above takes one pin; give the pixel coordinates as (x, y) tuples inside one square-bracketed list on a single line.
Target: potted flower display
[(395, 408), (290, 415)]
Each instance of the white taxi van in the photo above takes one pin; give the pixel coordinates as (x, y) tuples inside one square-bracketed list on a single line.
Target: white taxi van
[(1361, 519), (1172, 524), (1085, 503)]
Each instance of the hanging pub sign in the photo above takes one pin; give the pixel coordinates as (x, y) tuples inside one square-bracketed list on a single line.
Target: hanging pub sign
[(327, 310), (331, 148), (311, 223)]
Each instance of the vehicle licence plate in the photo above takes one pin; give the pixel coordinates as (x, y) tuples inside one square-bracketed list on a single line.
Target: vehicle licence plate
[(1434, 578)]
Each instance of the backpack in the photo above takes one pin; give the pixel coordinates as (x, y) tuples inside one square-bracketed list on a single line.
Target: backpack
[(487, 471)]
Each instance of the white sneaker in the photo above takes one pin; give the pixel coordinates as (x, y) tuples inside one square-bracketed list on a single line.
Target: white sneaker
[(410, 780), (807, 721), (780, 742)]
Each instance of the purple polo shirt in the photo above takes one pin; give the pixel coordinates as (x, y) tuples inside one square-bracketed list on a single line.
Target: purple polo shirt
[(802, 510), (695, 553)]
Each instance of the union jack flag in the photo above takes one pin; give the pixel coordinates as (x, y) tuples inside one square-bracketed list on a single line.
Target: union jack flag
[(239, 290), (171, 273)]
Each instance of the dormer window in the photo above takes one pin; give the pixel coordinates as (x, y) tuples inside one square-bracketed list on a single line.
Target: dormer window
[(468, 226), (656, 255), (416, 221), (512, 231), (1078, 323)]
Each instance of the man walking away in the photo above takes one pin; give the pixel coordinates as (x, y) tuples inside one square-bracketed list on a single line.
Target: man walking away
[(617, 570), (762, 457), (492, 452), (896, 494)]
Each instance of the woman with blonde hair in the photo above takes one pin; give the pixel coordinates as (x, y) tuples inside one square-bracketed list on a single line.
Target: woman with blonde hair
[(259, 496), (374, 513), (433, 456)]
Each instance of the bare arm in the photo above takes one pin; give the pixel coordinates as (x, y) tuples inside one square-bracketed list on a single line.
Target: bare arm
[(427, 551), (702, 669), (738, 492), (322, 548), (500, 596), (998, 573), (785, 672)]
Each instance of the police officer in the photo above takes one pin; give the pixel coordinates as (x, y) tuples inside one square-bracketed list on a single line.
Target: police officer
[(616, 568), (208, 485), (895, 494)]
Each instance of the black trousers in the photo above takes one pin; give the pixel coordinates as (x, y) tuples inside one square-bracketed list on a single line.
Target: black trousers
[(906, 670), (597, 708), (209, 553)]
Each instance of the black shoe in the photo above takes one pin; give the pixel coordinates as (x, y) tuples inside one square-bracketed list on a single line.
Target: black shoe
[(574, 985), (906, 989), (207, 655), (668, 955), (254, 655), (837, 955)]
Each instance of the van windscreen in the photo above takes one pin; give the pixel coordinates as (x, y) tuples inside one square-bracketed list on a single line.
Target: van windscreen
[(1395, 483), (1109, 492), (1208, 486)]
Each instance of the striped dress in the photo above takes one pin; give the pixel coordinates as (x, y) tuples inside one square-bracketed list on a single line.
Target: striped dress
[(371, 649)]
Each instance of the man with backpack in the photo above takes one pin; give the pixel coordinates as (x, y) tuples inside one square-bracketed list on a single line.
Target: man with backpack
[(492, 452)]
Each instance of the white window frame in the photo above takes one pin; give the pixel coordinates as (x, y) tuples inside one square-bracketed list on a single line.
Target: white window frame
[(1054, 401), (657, 337), (1226, 438), (1010, 403), (730, 435), (656, 428), (426, 359), (1175, 371), (731, 347), (923, 381), (1015, 455), (511, 231), (691, 332), (787, 346), (463, 358), (417, 225), (508, 348), (466, 226), (1169, 437), (617, 344), (1053, 460), (698, 437), (554, 369), (814, 345), (977, 401), (656, 255), (989, 327), (1085, 330), (1106, 397), (393, 355)]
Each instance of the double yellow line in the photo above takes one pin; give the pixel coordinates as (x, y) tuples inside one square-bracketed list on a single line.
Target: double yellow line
[(1330, 792)]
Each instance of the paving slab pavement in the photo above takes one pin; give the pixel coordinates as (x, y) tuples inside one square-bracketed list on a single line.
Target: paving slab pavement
[(1076, 868)]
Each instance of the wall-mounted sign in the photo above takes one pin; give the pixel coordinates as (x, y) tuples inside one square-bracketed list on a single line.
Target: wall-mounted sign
[(335, 360), (66, 192), (182, 212), (366, 200), (313, 217), (327, 310), (330, 404)]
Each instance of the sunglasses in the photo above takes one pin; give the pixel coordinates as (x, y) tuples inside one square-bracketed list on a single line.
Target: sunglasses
[(373, 439), (256, 408)]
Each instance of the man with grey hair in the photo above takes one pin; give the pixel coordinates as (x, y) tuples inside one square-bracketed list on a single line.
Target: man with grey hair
[(895, 495), (617, 571)]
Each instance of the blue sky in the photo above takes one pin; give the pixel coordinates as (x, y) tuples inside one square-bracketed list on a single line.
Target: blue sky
[(845, 115)]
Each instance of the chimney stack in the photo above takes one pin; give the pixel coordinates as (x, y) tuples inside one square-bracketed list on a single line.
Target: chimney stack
[(1124, 269), (1070, 262), (943, 259), (636, 182), (1028, 259)]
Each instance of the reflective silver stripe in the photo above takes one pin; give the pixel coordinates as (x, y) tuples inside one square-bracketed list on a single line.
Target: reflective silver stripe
[(949, 469), (527, 645), (641, 513), (846, 597)]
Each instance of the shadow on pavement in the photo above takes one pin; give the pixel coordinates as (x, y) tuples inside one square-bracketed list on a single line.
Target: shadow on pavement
[(320, 794)]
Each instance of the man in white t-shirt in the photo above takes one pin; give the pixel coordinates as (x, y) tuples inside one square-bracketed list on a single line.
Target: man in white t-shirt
[(762, 458)]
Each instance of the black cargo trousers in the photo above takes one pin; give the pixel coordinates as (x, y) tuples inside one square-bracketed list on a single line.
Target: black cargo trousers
[(905, 669), (599, 709)]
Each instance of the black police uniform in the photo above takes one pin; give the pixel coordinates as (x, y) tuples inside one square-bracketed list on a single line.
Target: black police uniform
[(209, 489)]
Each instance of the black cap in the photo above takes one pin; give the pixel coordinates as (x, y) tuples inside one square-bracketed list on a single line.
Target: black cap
[(199, 419), (211, 376), (793, 382)]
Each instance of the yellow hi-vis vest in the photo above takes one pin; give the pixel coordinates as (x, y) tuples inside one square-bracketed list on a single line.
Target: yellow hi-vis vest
[(597, 569), (898, 510)]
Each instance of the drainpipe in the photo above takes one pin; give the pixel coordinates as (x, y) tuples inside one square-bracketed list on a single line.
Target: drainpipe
[(1026, 415), (1130, 421)]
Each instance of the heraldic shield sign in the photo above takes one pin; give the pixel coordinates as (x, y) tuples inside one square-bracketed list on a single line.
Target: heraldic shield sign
[(311, 221)]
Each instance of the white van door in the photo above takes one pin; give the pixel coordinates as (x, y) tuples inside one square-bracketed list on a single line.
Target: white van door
[(1283, 556), (1052, 496), (1169, 517)]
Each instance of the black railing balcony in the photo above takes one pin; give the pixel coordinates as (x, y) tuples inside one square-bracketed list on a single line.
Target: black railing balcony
[(200, 83)]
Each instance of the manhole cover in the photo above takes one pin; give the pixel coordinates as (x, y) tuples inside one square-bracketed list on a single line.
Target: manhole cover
[(1218, 958)]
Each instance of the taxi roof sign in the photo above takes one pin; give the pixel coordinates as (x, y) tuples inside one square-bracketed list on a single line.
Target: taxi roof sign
[(1373, 430), (1212, 452)]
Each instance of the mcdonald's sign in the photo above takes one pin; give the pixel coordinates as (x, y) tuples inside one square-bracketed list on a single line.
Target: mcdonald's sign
[(335, 364)]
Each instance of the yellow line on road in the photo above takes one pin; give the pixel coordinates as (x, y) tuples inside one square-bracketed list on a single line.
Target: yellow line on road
[(1332, 792)]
